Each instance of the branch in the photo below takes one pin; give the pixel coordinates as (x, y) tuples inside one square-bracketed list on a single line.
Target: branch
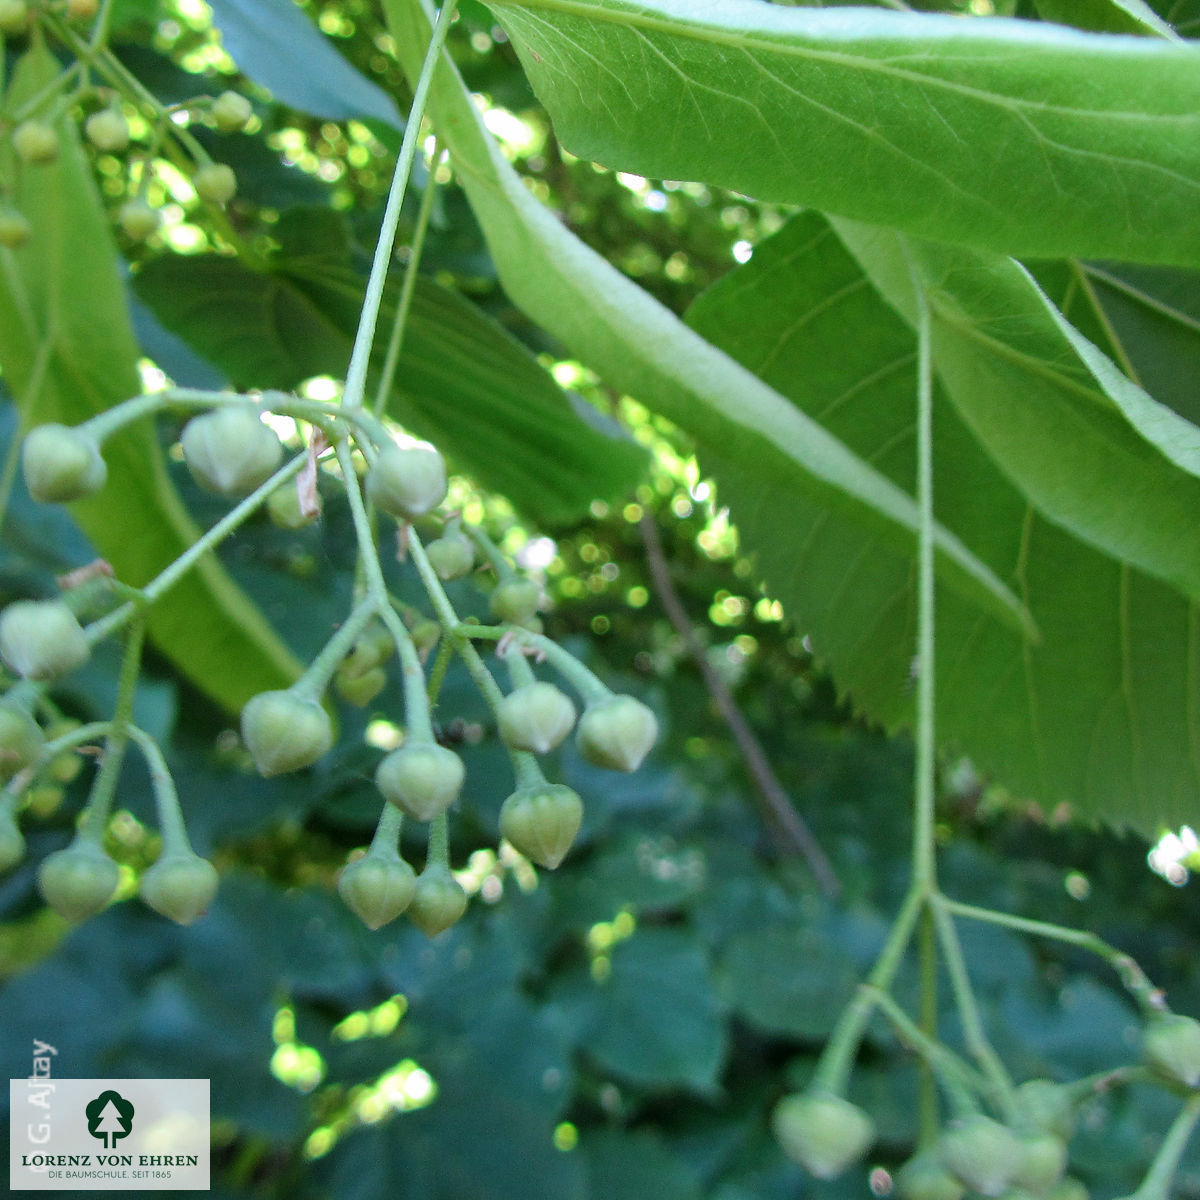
[(773, 800)]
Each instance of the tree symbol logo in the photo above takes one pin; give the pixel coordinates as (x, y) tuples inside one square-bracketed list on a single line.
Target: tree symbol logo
[(109, 1117)]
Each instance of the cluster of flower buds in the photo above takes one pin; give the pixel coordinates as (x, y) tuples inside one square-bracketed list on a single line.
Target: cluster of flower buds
[(37, 137), (229, 450)]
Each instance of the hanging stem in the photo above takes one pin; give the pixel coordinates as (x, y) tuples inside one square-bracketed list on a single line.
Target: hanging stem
[(364, 339)]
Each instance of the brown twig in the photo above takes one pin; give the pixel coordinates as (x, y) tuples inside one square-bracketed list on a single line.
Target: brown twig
[(773, 800)]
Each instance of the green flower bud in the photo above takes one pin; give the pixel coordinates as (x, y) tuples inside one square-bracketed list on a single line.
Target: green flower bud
[(514, 601), (425, 634), (372, 648), (407, 481), (617, 733), (377, 888), (1171, 1046), (78, 882), (107, 130), (215, 183), (231, 111), (1067, 1189), (1046, 1107), (542, 822), (41, 639), (536, 717), (82, 10), (421, 778), (21, 741), (924, 1177), (1043, 1161), (35, 143), (230, 451), (984, 1154), (61, 463), (451, 556), (438, 901), (360, 690), (14, 17), (15, 229), (138, 219), (180, 886), (822, 1132), (285, 732), (12, 844), (283, 507)]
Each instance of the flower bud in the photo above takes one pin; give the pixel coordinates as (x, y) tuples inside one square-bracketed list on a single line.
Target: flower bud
[(35, 143), (283, 507), (21, 741), (14, 17), (407, 481), (285, 732), (425, 634), (230, 451), (12, 844), (514, 601), (377, 888), (78, 882), (452, 556), (984, 1154), (107, 130), (61, 463), (438, 901), (180, 886), (138, 219), (1171, 1046), (41, 639), (216, 183), (82, 10), (924, 1177), (536, 717), (15, 229), (421, 778), (231, 111), (542, 822), (360, 690), (1046, 1107), (372, 648), (822, 1132), (616, 733), (1043, 1161)]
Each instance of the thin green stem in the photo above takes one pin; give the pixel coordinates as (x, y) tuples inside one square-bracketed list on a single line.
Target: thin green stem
[(973, 1031), (1157, 1184), (167, 578), (929, 1121), (589, 686), (316, 677), (104, 787), (386, 841), (356, 376), (408, 287), (1134, 979), (438, 853), (491, 552), (166, 798), (833, 1069)]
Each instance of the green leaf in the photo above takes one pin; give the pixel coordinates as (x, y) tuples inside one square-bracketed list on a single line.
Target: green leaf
[(633, 1165), (274, 43), (462, 381), (1107, 16), (641, 348), (1021, 137), (68, 353), (657, 1020), (1089, 448), (1100, 711)]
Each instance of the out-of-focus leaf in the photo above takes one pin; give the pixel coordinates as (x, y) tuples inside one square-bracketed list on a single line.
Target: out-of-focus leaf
[(68, 353), (275, 44), (1103, 722), (1107, 16), (1025, 138), (634, 1165)]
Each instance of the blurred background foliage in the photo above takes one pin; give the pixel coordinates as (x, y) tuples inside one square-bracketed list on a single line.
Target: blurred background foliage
[(622, 1026)]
